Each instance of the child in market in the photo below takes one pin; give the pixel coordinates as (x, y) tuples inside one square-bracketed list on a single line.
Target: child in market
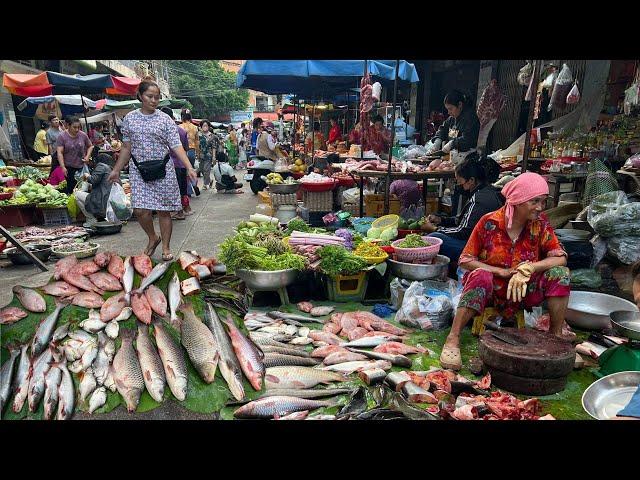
[(56, 175)]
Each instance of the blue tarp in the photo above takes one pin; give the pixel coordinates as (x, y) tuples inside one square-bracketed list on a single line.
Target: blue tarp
[(316, 78), (95, 83)]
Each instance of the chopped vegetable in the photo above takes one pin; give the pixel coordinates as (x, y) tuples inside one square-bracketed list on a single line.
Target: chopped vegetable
[(413, 240), (369, 249)]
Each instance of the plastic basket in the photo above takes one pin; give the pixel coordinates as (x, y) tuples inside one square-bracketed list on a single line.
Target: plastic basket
[(374, 260), (362, 224), (388, 221), (54, 217), (319, 187), (403, 233), (417, 255), (346, 288)]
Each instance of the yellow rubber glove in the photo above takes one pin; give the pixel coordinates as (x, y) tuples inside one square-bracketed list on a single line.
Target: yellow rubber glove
[(526, 268), (517, 289)]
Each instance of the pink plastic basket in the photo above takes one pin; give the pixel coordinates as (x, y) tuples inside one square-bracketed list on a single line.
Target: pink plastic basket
[(417, 255)]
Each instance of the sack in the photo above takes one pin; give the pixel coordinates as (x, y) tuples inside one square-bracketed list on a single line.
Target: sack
[(118, 207), (152, 170), (72, 206), (574, 95)]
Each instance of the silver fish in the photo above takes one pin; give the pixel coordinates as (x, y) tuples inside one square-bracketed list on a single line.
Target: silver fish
[(200, 343), (89, 354), (304, 332), (6, 374), (299, 377), (321, 311), (260, 338), (173, 361), (45, 330), (98, 399), (66, 395), (109, 382), (397, 360), (368, 342), (279, 405), (301, 341), (293, 316), (229, 365), (36, 383), (92, 325), (101, 363), (21, 381), (307, 393), (156, 273), (88, 384), (52, 382), (127, 279), (127, 372), (280, 360), (285, 351), (80, 336), (112, 329), (175, 298), (76, 367), (110, 348), (151, 364), (124, 315), (60, 333), (349, 367)]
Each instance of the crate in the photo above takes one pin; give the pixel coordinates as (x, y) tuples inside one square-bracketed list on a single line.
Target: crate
[(374, 205), (264, 197), (17, 216), (318, 201), (346, 288), (56, 217), (432, 206), (278, 199)]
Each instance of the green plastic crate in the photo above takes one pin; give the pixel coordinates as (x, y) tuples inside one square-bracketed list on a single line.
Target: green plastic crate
[(346, 288)]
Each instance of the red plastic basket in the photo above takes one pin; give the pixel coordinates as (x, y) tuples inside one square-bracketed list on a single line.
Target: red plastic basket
[(420, 254), (319, 187), (6, 196)]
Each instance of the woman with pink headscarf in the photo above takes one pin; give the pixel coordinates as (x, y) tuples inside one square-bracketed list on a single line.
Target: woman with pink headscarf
[(513, 260)]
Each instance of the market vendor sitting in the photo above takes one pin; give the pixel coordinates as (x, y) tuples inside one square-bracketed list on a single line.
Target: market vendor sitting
[(334, 133), (514, 260), (315, 139), (475, 176), (226, 181)]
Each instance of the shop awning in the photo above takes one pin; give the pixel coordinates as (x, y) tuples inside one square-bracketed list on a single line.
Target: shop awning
[(94, 83), (132, 104), (124, 86), (42, 107), (27, 85)]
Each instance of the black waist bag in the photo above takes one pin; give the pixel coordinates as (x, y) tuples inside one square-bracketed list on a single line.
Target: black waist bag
[(152, 170)]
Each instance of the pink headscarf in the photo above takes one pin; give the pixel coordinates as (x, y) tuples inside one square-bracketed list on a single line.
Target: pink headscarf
[(525, 187)]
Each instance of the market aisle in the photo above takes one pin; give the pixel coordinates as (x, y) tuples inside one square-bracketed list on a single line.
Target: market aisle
[(214, 217)]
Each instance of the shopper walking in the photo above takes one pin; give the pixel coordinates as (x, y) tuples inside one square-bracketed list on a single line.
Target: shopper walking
[(147, 136), (208, 148), (181, 171), (53, 132), (231, 145), (194, 147), (74, 150)]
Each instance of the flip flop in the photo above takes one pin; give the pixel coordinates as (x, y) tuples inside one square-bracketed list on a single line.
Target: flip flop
[(151, 251), (167, 258), (450, 358)]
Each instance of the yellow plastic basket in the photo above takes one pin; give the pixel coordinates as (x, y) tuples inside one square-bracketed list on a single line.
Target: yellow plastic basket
[(374, 260), (385, 222)]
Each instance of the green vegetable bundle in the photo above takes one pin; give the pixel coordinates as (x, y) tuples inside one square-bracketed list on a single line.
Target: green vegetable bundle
[(238, 253), (339, 261), (413, 240), (30, 173), (298, 225)]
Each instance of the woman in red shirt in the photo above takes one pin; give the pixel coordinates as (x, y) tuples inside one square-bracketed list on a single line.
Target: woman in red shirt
[(514, 261), (334, 132)]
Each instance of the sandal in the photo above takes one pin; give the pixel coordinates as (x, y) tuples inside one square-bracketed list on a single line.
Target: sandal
[(450, 358), (150, 251), (167, 258)]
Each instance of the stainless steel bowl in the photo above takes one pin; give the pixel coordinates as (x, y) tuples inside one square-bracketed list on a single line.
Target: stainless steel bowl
[(604, 398), (626, 323), (41, 251), (258, 280), (591, 310), (284, 187), (414, 271)]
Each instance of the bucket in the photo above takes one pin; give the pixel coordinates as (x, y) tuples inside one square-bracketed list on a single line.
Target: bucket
[(286, 213)]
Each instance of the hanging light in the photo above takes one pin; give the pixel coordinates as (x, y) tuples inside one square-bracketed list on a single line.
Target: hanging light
[(321, 105)]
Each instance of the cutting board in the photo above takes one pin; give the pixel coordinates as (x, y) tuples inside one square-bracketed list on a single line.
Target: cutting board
[(543, 357)]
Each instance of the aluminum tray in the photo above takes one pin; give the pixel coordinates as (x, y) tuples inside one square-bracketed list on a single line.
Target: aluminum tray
[(591, 310)]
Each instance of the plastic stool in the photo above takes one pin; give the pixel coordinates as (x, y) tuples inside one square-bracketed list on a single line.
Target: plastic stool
[(489, 312)]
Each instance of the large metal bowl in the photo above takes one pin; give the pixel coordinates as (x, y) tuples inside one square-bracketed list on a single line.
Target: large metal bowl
[(41, 251), (626, 323), (107, 228), (415, 271), (604, 398), (591, 310), (258, 280), (284, 187)]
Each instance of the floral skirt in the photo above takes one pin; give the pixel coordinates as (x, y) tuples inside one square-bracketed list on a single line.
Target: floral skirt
[(480, 290)]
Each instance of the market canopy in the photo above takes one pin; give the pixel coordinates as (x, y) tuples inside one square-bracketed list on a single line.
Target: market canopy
[(316, 78), (132, 104), (42, 107), (27, 85), (124, 86), (46, 83), (94, 83)]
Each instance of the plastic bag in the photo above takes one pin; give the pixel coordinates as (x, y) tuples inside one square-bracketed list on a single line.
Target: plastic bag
[(615, 218), (72, 206), (525, 73), (586, 277), (352, 195), (599, 250), (79, 174), (118, 206), (427, 305), (561, 88), (631, 97), (624, 248), (606, 202), (397, 293), (550, 80), (573, 96)]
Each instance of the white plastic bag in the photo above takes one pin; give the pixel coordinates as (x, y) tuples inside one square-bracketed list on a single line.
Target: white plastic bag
[(574, 95), (427, 305), (524, 75), (118, 206), (80, 174)]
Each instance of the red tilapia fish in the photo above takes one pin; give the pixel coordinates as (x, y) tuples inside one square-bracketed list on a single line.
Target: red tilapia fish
[(88, 300), (63, 266), (86, 267), (105, 281), (305, 307), (11, 315), (60, 289), (156, 299), (372, 322), (141, 308), (82, 282), (327, 337), (398, 348), (322, 352), (102, 259), (142, 264), (112, 307), (30, 299), (116, 267)]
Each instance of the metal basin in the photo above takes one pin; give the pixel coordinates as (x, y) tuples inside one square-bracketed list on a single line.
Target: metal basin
[(591, 310), (258, 280), (284, 187), (414, 271), (627, 324), (41, 251), (107, 228), (604, 398)]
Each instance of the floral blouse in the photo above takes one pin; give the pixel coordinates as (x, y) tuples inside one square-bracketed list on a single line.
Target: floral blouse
[(490, 243)]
